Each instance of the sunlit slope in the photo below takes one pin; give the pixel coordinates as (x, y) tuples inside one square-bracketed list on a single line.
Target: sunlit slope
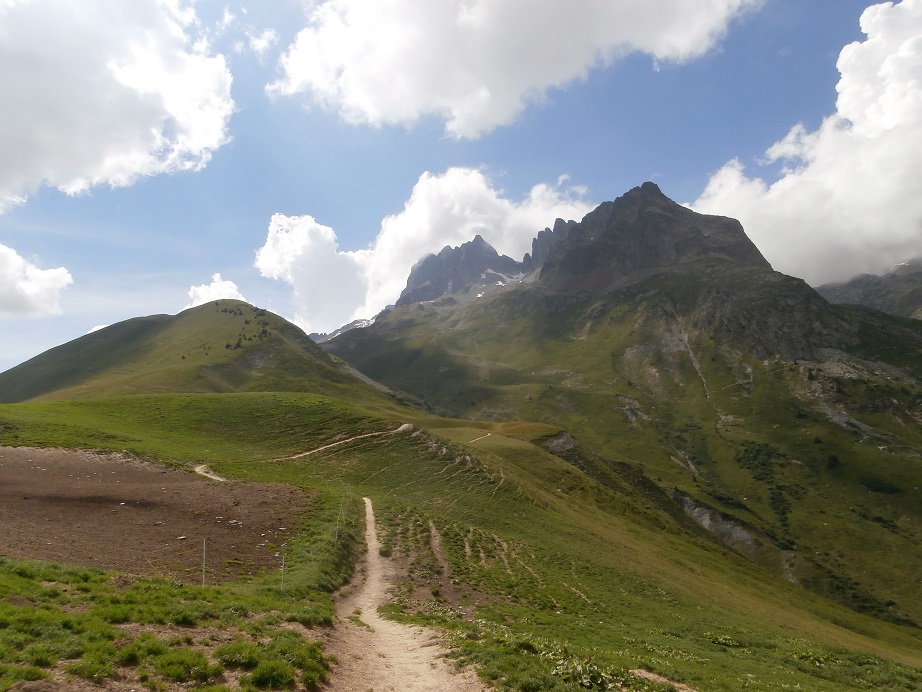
[(803, 457), (541, 567), (223, 346)]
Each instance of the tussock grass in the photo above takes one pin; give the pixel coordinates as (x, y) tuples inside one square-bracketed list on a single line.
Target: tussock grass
[(59, 617)]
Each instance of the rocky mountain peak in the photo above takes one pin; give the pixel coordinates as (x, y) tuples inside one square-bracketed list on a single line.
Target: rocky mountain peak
[(458, 270), (642, 232), (638, 234), (546, 243)]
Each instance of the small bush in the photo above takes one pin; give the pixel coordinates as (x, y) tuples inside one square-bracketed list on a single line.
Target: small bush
[(12, 674), (310, 616), (314, 674), (39, 655), (96, 663), (721, 640), (115, 614), (297, 651)]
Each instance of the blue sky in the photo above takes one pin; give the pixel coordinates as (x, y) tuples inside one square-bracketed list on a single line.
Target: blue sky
[(310, 152)]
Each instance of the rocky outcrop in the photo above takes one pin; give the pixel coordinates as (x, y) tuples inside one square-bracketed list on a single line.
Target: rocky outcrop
[(771, 314), (638, 234), (727, 531), (457, 271), (545, 244)]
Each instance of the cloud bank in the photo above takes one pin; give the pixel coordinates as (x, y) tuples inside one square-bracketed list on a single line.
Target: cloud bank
[(479, 63), (105, 91), (849, 199), (218, 289), (332, 286), (27, 290)]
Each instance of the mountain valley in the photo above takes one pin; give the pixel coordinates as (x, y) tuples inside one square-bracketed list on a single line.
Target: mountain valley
[(639, 448)]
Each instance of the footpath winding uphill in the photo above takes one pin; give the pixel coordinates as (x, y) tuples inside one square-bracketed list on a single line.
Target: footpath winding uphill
[(380, 655)]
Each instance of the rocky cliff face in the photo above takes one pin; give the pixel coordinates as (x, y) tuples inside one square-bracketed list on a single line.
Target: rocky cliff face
[(771, 314), (546, 243), (458, 270), (634, 236), (707, 274), (639, 233)]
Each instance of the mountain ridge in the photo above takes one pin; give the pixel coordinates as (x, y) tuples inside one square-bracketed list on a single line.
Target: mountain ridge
[(634, 236), (222, 346), (705, 377), (898, 292), (684, 462)]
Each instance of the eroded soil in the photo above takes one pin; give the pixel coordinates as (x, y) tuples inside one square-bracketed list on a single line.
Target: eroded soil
[(119, 513)]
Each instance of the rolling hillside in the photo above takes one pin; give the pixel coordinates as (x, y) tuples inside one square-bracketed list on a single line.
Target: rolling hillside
[(223, 346)]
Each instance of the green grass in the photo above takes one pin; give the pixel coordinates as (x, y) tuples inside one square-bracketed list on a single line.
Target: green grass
[(65, 622), (579, 576), (635, 383), (222, 346)]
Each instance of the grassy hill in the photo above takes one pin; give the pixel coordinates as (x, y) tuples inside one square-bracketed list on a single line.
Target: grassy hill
[(223, 346), (544, 574)]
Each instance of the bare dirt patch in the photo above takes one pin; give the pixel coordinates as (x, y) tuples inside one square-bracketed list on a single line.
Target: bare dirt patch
[(119, 513)]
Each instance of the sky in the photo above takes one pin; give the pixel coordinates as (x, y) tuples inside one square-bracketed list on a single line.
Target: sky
[(303, 154)]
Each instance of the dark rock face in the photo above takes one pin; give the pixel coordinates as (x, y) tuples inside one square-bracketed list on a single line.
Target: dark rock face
[(639, 233), (898, 292), (711, 277), (545, 244), (457, 270), (771, 314)]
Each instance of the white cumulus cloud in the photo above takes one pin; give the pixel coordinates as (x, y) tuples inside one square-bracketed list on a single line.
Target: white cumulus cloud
[(849, 198), (105, 91), (218, 289), (27, 290), (479, 63), (327, 282), (333, 286)]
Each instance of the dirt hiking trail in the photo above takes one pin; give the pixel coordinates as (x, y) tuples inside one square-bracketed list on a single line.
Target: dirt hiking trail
[(378, 655), (380, 433)]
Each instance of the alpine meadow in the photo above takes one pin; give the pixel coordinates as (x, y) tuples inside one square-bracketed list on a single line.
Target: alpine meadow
[(639, 459)]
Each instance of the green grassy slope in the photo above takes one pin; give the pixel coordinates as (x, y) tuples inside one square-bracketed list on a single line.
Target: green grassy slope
[(817, 460), (223, 346), (552, 567)]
